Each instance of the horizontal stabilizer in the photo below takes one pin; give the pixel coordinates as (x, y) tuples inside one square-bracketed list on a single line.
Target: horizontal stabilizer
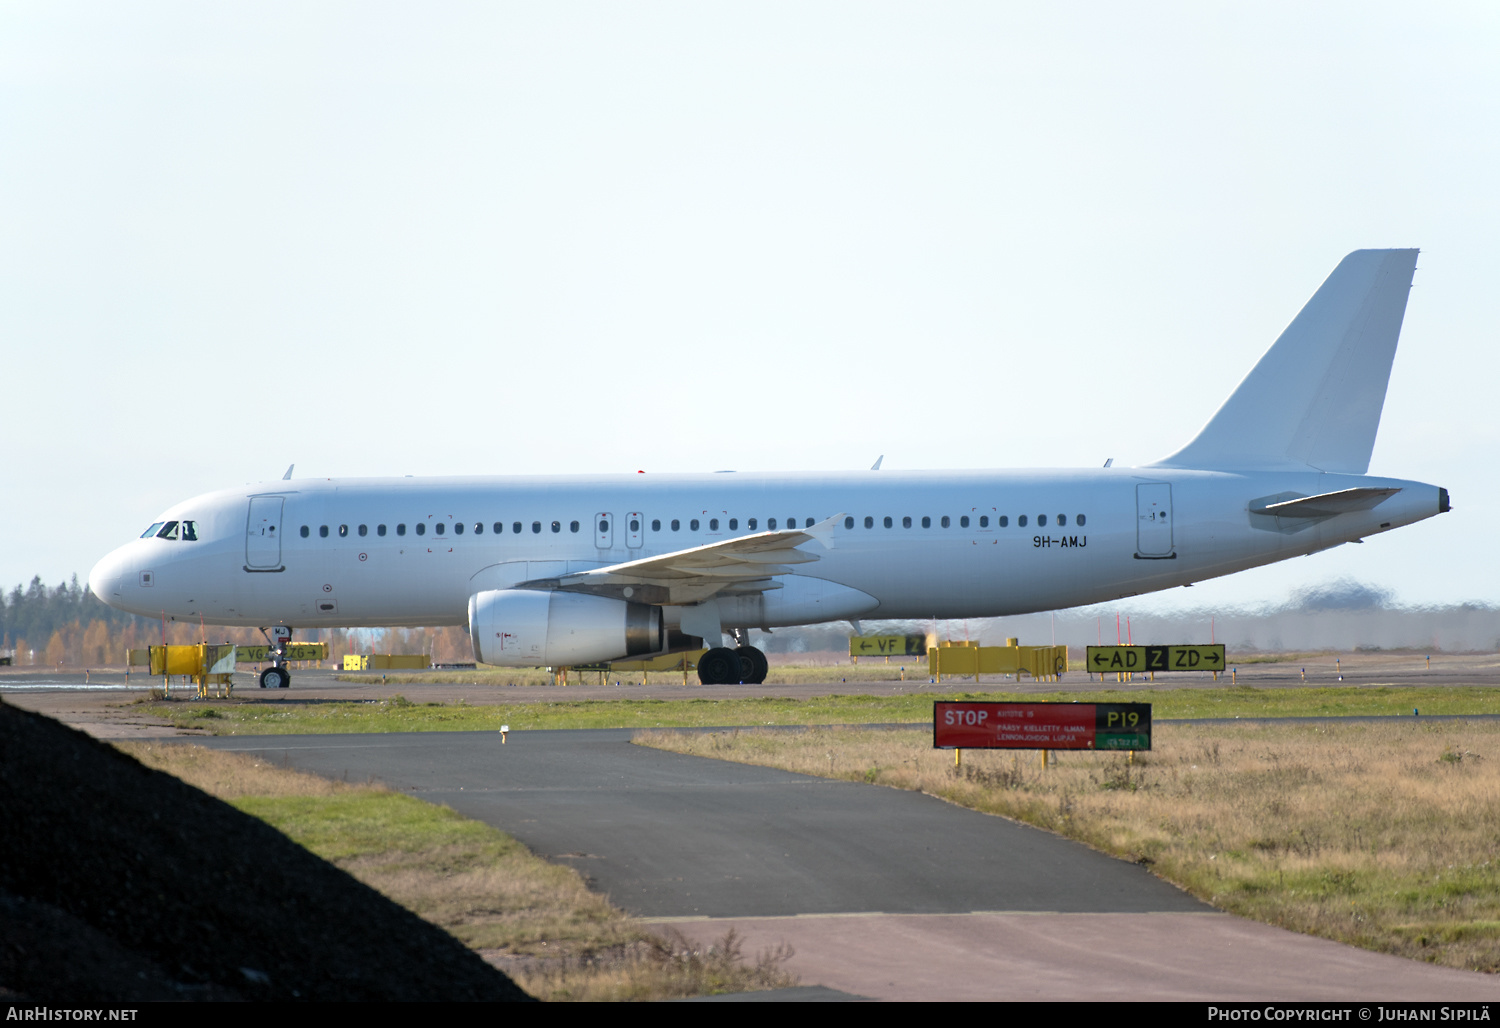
[(1326, 505), (1314, 399)]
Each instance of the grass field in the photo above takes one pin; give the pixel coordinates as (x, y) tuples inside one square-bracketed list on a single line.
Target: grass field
[(256, 717), (1383, 835), (474, 881)]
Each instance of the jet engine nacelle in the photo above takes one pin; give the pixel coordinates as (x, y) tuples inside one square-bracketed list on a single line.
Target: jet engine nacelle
[(532, 628)]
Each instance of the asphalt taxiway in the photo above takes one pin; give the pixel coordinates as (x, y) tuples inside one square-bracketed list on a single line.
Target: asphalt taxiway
[(882, 893)]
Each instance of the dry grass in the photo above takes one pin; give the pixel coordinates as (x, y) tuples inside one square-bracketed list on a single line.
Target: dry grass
[(536, 920), (662, 966), (1384, 835), (230, 776)]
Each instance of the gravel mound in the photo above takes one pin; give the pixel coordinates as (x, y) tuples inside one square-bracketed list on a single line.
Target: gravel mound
[(120, 883)]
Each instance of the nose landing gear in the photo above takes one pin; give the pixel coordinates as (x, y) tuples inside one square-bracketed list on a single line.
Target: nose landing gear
[(277, 676)]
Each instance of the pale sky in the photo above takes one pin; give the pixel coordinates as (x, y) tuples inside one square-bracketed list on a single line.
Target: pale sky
[(489, 238)]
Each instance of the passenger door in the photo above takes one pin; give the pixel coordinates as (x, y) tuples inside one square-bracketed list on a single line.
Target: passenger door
[(263, 534)]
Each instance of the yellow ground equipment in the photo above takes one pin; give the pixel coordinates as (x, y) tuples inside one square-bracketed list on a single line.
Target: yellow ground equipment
[(387, 662), (211, 667), (1042, 663)]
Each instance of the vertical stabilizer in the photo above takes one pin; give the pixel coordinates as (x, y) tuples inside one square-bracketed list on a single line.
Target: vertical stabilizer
[(1314, 399)]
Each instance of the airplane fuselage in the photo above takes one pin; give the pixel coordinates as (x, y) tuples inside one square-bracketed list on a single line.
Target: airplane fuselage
[(412, 551)]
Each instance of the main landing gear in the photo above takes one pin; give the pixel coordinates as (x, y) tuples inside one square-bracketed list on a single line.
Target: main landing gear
[(277, 676), (724, 666)]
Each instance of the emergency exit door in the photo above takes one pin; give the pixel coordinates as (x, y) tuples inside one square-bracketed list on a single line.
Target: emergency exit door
[(1153, 520)]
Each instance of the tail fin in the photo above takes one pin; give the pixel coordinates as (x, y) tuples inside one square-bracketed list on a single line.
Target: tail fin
[(1314, 399)]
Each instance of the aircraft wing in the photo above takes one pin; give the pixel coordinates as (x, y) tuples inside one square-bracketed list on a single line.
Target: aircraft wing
[(742, 564), (1326, 505)]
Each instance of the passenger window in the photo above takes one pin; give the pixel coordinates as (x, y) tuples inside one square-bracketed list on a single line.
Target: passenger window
[(148, 533), (364, 530), (169, 531), (848, 522), (556, 526), (693, 524), (1041, 520), (734, 524), (984, 521), (536, 528), (440, 528), (887, 522), (603, 527), (808, 523), (906, 522), (322, 531), (676, 524), (635, 525), (421, 528), (343, 531), (304, 532), (945, 522), (190, 531), (791, 522), (400, 529), (1062, 521), (751, 524), (1003, 520), (479, 528), (515, 527), (656, 524), (1080, 521), (926, 522), (771, 524), (498, 528), (458, 528), (1021, 521), (713, 524), (572, 526), (869, 522), (379, 530), (963, 522)]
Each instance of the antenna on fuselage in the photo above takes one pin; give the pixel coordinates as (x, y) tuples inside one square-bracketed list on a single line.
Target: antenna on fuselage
[(876, 465), (288, 476)]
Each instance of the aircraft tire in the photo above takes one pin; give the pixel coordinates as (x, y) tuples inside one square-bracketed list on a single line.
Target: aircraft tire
[(275, 678), (753, 665), (719, 666)]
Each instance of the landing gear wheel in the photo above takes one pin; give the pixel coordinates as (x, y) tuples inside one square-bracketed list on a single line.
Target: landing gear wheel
[(753, 665), (275, 678), (719, 666)]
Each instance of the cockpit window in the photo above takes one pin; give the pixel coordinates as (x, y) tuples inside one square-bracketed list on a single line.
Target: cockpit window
[(190, 531), (148, 533), (168, 531)]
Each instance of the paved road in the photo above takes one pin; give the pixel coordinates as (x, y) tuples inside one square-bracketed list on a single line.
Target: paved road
[(667, 835), (882, 893)]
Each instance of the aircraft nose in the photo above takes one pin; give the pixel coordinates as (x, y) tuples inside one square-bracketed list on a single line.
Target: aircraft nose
[(107, 579)]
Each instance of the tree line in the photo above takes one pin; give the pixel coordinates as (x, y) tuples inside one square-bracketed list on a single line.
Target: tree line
[(68, 626)]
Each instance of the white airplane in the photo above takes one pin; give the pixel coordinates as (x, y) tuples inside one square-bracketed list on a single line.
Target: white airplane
[(559, 571)]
